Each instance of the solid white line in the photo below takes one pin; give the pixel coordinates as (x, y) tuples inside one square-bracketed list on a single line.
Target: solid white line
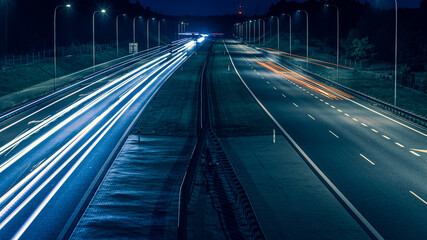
[(373, 130), (311, 117), (422, 200), (367, 159), (338, 193), (416, 154), (295, 105), (384, 136), (334, 134), (398, 144)]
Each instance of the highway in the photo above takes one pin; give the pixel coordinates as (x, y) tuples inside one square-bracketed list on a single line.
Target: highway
[(373, 161), (53, 156)]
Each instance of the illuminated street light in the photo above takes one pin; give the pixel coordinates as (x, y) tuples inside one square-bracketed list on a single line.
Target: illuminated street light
[(338, 37), (93, 36), (134, 37), (148, 31), (117, 33), (54, 42), (290, 33), (278, 32), (306, 13)]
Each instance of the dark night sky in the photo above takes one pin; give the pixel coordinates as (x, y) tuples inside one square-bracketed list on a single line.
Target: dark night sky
[(221, 7)]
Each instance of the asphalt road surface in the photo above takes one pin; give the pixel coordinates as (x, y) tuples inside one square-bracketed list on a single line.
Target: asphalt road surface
[(377, 160), (52, 157)]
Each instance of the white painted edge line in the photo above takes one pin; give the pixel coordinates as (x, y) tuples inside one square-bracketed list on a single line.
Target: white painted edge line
[(367, 159), (338, 193), (422, 200)]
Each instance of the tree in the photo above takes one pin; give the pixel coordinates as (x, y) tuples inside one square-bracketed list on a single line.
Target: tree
[(363, 51)]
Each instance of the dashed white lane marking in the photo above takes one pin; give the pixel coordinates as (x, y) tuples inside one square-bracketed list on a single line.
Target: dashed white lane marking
[(416, 154), (363, 124), (367, 159), (258, 74), (321, 100), (326, 103), (355, 119), (312, 94), (373, 130), (384, 136), (268, 82), (295, 105), (275, 88), (332, 107), (262, 77), (339, 110), (311, 117), (334, 134), (347, 114), (419, 198), (316, 96), (398, 144), (284, 95)]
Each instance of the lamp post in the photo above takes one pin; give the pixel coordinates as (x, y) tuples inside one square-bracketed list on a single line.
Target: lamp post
[(134, 36), (306, 13), (254, 32), (278, 32), (259, 31), (246, 35), (148, 31), (158, 31), (338, 37), (290, 33), (117, 33), (93, 36), (395, 57), (54, 41), (250, 21)]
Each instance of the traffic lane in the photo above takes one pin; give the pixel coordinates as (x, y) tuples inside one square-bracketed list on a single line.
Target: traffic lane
[(97, 156), (55, 141), (387, 128), (297, 122)]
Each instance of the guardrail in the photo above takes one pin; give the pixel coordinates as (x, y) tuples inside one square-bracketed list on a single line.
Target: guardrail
[(376, 102)]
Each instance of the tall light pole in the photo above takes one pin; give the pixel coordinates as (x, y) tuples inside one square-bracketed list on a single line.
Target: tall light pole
[(306, 13), (254, 32), (263, 24), (158, 31), (134, 35), (395, 57), (250, 21), (259, 31), (93, 36), (246, 35), (278, 32), (148, 31), (290, 32), (117, 33), (338, 37), (54, 41)]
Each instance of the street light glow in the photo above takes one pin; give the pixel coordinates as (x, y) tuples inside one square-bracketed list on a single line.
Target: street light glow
[(103, 11), (68, 5)]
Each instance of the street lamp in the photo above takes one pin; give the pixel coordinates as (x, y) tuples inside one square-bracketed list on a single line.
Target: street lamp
[(134, 36), (395, 57), (338, 36), (306, 13), (290, 32), (148, 31), (117, 33), (278, 32), (93, 35), (158, 31), (54, 42)]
